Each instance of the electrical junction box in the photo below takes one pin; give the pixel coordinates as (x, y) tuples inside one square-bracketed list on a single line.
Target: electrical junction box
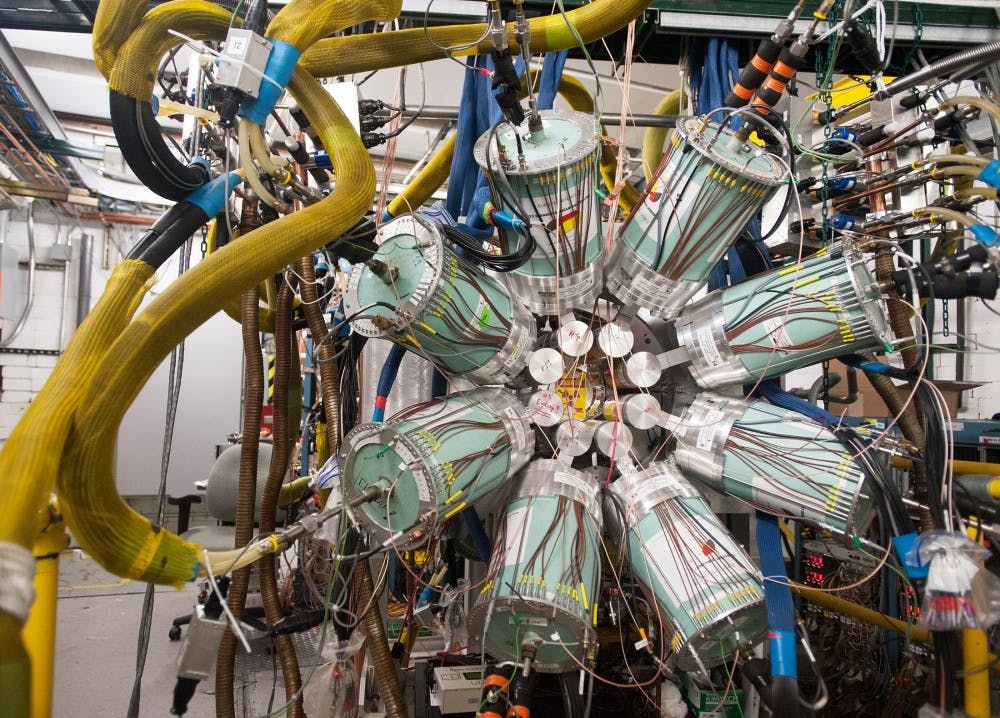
[(345, 94), (242, 63), (458, 689)]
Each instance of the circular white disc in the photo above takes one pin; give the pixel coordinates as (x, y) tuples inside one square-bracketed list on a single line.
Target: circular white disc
[(575, 338), (641, 411), (545, 366), (615, 339), (613, 439), (573, 438), (546, 408), (643, 369)]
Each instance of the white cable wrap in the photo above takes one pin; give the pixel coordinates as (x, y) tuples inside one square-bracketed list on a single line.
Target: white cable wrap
[(17, 574)]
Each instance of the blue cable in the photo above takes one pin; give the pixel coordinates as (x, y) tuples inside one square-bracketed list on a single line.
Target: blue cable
[(548, 83), (770, 390), (386, 379), (780, 617)]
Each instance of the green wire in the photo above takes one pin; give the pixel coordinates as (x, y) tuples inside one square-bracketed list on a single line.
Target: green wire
[(236, 10)]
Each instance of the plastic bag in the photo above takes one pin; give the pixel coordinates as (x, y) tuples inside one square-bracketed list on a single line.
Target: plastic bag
[(959, 592), (333, 690)]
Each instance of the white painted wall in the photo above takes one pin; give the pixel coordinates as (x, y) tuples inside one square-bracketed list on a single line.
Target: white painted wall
[(210, 396)]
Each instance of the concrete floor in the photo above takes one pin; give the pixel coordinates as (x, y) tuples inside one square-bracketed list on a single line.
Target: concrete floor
[(98, 626)]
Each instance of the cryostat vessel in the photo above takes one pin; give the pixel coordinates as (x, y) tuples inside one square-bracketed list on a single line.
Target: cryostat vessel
[(708, 592), (419, 293), (708, 188), (545, 570), (826, 306), (773, 458), (433, 460), (548, 179)]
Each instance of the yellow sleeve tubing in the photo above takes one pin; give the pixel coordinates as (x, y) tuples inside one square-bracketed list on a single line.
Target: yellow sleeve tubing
[(303, 22), (358, 53), (430, 177), (580, 99), (134, 71), (114, 22), (121, 540), (30, 459), (655, 138)]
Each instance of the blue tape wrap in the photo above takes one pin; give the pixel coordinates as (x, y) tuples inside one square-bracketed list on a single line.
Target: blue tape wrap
[(991, 174), (985, 235), (280, 66), (777, 596), (782, 645), (211, 196), (904, 547)]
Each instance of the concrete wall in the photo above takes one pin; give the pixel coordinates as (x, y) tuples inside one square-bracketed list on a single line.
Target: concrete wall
[(210, 395)]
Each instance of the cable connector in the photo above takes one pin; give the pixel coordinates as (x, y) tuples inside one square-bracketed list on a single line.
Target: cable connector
[(373, 139)]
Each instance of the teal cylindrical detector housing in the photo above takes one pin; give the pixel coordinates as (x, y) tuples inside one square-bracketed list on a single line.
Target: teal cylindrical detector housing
[(545, 571), (826, 306), (708, 592), (549, 178), (419, 293), (433, 460), (776, 459), (706, 190)]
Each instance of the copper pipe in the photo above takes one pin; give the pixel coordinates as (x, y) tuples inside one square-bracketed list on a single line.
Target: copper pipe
[(378, 643), (247, 489), (269, 499)]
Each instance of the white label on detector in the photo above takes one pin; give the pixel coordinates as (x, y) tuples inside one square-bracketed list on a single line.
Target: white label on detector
[(705, 341), (574, 481), (514, 532), (706, 434), (778, 333), (423, 490)]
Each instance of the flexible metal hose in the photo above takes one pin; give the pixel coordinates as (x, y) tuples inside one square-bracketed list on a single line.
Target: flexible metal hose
[(269, 498), (970, 60), (326, 359), (247, 491), (899, 321), (378, 642)]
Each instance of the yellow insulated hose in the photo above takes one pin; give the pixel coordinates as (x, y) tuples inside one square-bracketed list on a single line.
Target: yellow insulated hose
[(31, 457), (303, 22), (580, 99), (114, 22), (120, 539), (431, 176), (358, 53), (656, 137)]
